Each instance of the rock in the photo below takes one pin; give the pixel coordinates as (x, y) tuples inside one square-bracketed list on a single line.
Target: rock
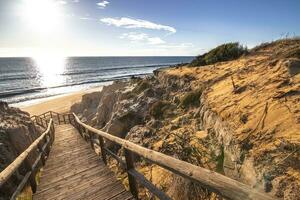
[(138, 134), (293, 66), (17, 132)]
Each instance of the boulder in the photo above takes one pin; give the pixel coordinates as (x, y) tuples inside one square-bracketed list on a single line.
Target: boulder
[(17, 132)]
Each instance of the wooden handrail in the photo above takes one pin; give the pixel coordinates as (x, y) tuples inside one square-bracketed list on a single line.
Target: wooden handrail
[(213, 181), (22, 158), (10, 169)]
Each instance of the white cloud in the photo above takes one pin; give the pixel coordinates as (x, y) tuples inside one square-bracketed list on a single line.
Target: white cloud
[(62, 2), (103, 4), (136, 23), (75, 1), (142, 37), (87, 18)]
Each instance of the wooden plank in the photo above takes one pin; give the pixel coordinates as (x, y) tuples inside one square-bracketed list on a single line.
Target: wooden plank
[(109, 192), (48, 183), (65, 182), (55, 177), (96, 190), (76, 165), (84, 188), (51, 166), (62, 187), (125, 195)]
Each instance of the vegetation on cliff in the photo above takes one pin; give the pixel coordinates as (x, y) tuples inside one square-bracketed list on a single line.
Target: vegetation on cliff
[(224, 52)]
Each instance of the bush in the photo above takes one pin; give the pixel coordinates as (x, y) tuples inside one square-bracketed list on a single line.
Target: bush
[(224, 52), (191, 98)]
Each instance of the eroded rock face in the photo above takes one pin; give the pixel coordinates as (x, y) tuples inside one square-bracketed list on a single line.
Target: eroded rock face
[(17, 132), (224, 117), (118, 107)]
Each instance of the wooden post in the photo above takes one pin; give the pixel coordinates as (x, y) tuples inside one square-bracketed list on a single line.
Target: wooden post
[(80, 130), (103, 153), (42, 124), (43, 159), (130, 165), (51, 133), (91, 137), (48, 138), (58, 118), (64, 116), (32, 176)]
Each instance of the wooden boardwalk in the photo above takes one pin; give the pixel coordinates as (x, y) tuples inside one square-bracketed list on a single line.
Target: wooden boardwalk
[(74, 171)]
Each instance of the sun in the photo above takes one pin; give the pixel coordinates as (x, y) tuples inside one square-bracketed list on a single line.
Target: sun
[(41, 15)]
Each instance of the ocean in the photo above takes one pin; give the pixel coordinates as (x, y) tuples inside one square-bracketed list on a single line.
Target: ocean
[(26, 79)]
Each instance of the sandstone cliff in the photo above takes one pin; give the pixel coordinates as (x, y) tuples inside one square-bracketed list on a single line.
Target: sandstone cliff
[(17, 132), (240, 118)]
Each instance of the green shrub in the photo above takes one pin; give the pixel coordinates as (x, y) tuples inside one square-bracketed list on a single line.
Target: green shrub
[(224, 52), (191, 98)]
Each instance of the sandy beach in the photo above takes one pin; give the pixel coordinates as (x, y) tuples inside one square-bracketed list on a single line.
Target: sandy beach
[(60, 104)]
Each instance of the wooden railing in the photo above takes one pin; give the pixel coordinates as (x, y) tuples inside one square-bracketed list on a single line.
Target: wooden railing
[(225, 186), (56, 117), (42, 145), (213, 181)]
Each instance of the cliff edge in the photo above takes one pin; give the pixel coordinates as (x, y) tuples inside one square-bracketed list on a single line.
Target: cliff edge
[(240, 118)]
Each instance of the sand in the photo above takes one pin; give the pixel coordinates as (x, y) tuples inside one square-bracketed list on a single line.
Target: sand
[(60, 104)]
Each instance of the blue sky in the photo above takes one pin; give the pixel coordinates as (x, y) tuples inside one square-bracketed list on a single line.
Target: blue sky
[(140, 27)]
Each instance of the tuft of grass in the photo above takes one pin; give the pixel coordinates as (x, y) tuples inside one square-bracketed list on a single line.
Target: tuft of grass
[(220, 162), (224, 52), (191, 99), (143, 85)]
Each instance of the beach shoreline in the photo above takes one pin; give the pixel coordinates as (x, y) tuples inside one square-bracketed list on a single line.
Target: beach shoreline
[(59, 103)]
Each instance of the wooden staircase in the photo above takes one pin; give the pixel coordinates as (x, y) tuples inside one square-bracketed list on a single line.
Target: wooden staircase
[(74, 171)]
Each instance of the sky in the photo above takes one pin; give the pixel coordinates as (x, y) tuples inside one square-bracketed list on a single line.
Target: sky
[(140, 27)]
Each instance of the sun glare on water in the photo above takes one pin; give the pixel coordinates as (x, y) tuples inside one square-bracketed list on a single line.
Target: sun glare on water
[(41, 15), (50, 70)]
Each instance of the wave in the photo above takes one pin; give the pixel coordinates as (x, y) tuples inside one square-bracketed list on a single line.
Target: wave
[(40, 89), (17, 78), (83, 72), (116, 68)]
